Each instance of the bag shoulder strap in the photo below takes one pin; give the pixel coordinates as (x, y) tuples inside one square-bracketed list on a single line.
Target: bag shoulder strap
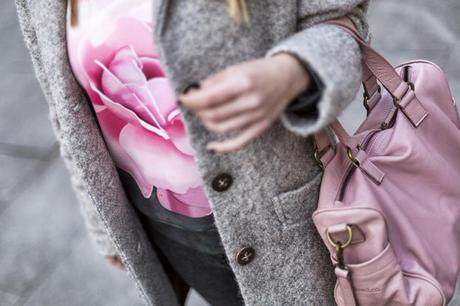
[(400, 90), (375, 67)]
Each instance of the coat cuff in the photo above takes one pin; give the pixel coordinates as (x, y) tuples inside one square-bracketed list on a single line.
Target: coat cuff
[(306, 103), (335, 58)]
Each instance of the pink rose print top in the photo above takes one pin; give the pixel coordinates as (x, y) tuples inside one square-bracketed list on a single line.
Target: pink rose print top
[(113, 56)]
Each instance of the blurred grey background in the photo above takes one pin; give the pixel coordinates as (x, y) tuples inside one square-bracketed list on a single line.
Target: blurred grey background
[(46, 257)]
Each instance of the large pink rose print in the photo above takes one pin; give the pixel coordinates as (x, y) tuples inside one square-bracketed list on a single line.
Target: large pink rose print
[(137, 111)]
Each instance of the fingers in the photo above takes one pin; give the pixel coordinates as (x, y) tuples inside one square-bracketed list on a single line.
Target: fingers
[(242, 139), (215, 90), (234, 123), (240, 104), (247, 96), (233, 115), (116, 262)]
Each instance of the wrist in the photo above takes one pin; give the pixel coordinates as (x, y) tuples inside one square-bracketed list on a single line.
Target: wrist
[(294, 71)]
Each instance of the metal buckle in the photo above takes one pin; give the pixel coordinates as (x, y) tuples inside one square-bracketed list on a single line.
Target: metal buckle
[(339, 246), (366, 99), (335, 244), (319, 154), (351, 157)]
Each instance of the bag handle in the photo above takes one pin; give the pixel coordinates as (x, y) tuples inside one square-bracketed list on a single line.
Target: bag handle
[(323, 146), (403, 94), (373, 61), (375, 67)]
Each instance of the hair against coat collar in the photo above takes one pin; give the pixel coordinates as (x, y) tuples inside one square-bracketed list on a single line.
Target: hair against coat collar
[(237, 9), (73, 13)]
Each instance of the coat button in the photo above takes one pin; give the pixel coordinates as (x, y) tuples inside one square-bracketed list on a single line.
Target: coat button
[(193, 85), (245, 255), (222, 182)]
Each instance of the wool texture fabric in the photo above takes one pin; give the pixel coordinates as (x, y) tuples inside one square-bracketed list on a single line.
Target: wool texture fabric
[(275, 179)]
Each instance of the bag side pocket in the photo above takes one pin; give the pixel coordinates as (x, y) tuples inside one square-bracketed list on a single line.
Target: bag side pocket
[(380, 281)]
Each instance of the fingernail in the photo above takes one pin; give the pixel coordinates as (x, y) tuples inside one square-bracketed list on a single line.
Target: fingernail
[(212, 151), (193, 85)]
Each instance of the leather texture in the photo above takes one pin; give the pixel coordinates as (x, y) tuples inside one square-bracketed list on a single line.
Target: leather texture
[(396, 187)]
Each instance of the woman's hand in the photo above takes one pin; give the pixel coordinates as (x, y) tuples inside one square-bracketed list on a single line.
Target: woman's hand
[(116, 262), (249, 96)]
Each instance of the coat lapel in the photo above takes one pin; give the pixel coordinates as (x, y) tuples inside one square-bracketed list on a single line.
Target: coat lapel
[(160, 8), (93, 173)]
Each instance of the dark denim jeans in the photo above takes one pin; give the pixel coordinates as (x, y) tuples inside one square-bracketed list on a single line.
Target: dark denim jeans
[(190, 248)]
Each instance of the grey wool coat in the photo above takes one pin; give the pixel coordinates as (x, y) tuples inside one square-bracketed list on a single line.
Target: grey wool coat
[(275, 179)]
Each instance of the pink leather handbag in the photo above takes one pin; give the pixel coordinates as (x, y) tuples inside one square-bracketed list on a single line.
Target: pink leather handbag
[(389, 205)]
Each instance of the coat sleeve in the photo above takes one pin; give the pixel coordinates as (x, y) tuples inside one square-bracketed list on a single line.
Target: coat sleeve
[(332, 54), (307, 101), (100, 238)]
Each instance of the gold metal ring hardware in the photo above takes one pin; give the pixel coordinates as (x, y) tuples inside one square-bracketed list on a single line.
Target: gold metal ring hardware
[(318, 155), (338, 244), (318, 158), (351, 157), (366, 98)]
